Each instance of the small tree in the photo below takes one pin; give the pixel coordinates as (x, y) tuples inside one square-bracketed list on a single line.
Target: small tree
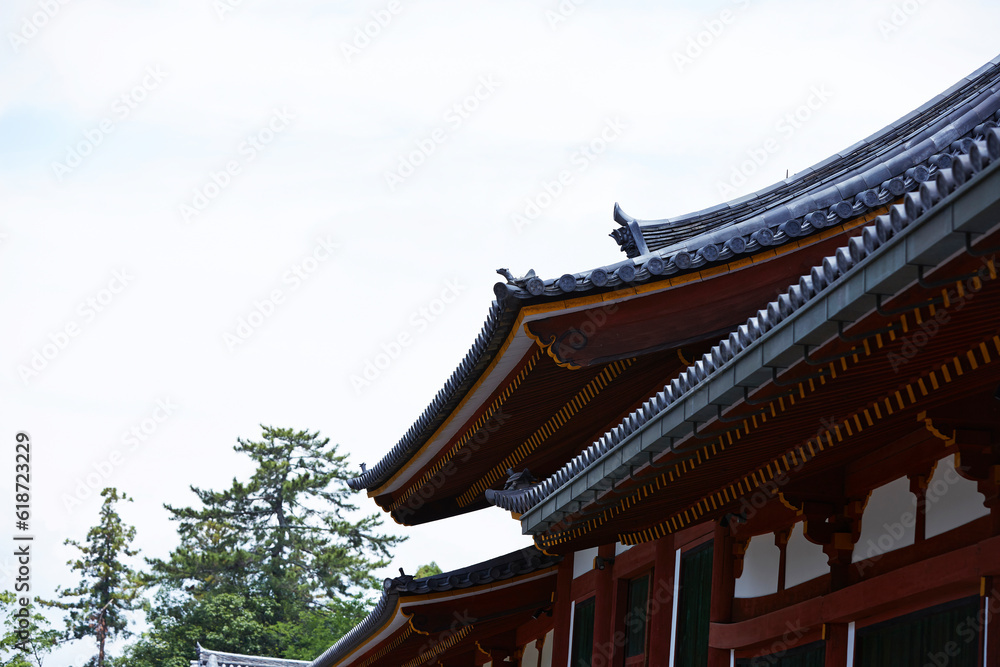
[(280, 559), (109, 588), (27, 636), (281, 534), (429, 570)]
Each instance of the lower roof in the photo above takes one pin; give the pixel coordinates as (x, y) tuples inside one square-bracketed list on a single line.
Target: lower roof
[(410, 610)]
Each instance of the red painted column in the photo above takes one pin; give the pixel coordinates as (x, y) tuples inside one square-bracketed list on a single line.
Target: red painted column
[(661, 601), (604, 604), (723, 589), (561, 630), (835, 635), (992, 629)]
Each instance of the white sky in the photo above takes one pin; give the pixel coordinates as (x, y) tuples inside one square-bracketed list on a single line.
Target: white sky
[(557, 78)]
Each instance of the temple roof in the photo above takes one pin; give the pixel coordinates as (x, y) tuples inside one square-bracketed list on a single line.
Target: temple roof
[(941, 222), (388, 617), (853, 185), (858, 177), (207, 658)]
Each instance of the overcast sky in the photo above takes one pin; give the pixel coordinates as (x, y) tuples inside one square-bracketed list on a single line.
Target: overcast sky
[(217, 213)]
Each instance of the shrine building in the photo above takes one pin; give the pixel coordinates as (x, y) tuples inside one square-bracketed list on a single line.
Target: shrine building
[(767, 433)]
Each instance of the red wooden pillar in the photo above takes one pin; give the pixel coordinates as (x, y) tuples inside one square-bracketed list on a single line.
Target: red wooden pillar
[(723, 589), (991, 600), (604, 604), (661, 602), (561, 621), (835, 635)]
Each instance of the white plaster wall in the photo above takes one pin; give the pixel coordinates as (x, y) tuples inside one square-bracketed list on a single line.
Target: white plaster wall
[(803, 559), (760, 568), (889, 521), (547, 649), (952, 500), (583, 561), (530, 656), (621, 548)]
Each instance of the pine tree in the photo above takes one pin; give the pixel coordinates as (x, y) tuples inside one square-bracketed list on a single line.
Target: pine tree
[(283, 542), (109, 588)]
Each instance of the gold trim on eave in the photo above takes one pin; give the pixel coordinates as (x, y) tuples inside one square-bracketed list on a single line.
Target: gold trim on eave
[(636, 290)]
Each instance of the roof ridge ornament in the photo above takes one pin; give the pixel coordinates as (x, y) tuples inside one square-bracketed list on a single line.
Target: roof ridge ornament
[(529, 282), (517, 481), (629, 235)]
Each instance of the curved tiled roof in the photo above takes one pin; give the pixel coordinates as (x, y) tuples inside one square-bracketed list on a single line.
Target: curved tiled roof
[(857, 177), (517, 563), (971, 154), (896, 161), (495, 329), (207, 658)]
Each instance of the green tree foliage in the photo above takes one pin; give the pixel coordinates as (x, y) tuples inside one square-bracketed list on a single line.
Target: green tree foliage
[(270, 566), (428, 570), (27, 635), (98, 606)]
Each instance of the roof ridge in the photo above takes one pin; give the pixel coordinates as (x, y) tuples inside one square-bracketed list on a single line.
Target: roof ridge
[(976, 156), (901, 132)]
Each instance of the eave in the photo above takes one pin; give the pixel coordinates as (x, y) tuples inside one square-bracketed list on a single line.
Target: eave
[(730, 385), (799, 216), (415, 619)]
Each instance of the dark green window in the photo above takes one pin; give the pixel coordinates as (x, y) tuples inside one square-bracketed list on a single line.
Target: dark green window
[(583, 633), (945, 634), (693, 607), (810, 655), (635, 618)]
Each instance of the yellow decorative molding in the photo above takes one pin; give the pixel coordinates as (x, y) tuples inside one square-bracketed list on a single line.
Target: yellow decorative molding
[(469, 434), (572, 407)]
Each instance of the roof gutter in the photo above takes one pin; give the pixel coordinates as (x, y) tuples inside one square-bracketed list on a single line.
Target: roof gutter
[(930, 239)]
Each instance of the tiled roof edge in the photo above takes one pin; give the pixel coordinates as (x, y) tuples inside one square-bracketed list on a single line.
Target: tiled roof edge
[(892, 139), (976, 156), (516, 563), (901, 174), (494, 328)]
